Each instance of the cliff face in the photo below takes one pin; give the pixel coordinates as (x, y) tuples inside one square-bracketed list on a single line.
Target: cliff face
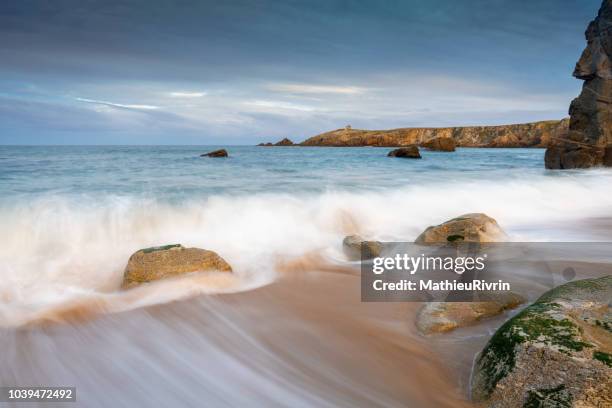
[(590, 128), (537, 134)]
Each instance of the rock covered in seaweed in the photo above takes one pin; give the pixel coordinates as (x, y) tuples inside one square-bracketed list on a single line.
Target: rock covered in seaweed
[(156, 263), (556, 352), (408, 152), (589, 138), (475, 227)]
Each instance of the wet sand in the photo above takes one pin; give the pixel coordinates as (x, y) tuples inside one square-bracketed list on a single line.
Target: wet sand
[(305, 340)]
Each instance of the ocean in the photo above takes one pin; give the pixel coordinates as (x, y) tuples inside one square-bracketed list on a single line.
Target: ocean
[(72, 215)]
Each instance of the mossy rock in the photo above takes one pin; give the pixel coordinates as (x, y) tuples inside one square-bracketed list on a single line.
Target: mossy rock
[(155, 263), (554, 344)]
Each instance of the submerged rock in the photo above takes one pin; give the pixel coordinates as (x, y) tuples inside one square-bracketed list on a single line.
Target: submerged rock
[(555, 353), (440, 317), (284, 142), (408, 152), (441, 144), (215, 153), (156, 263), (476, 227), (353, 244), (590, 129)]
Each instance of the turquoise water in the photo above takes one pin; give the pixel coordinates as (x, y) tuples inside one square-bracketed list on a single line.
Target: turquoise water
[(176, 173), (72, 216)]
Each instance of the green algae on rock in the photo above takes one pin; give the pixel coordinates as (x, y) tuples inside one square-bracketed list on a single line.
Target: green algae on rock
[(552, 345)]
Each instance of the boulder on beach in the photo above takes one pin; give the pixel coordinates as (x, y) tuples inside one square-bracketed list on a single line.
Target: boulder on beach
[(476, 227), (156, 263), (284, 142), (440, 317), (555, 353), (590, 128), (215, 153), (354, 244), (408, 152), (440, 144)]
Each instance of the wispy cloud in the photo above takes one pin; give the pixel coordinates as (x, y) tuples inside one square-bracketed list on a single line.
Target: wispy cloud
[(119, 105), (187, 94), (279, 105), (316, 89)]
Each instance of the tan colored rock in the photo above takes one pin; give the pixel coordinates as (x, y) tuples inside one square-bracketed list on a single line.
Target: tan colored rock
[(157, 263), (440, 144), (440, 317), (408, 152), (536, 134), (476, 227), (555, 353), (353, 245)]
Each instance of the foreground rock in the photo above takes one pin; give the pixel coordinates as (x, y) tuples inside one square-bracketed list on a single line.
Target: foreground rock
[(555, 353), (408, 152), (590, 129), (215, 153), (440, 144), (536, 134), (440, 317), (352, 246), (475, 227), (156, 263), (284, 142)]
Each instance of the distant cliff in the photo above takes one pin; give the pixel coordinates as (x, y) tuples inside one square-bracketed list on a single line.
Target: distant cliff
[(537, 134)]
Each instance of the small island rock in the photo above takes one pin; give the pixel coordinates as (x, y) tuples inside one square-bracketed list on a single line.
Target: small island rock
[(408, 152), (215, 153)]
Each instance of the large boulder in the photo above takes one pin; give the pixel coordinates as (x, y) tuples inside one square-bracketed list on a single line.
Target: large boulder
[(441, 144), (215, 153), (156, 263), (440, 317), (590, 129), (475, 227), (555, 353), (284, 142), (408, 152), (353, 245)]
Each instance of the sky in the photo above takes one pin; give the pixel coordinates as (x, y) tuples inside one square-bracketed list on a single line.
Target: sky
[(249, 71)]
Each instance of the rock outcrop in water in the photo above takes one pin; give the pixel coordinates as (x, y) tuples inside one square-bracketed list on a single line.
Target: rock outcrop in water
[(475, 227), (589, 140), (284, 142), (216, 153), (440, 144), (537, 134), (555, 353), (156, 263), (408, 152)]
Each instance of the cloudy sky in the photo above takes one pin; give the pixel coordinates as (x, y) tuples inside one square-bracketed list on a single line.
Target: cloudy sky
[(245, 71)]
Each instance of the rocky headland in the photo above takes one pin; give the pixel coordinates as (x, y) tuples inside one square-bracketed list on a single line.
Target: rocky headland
[(536, 134)]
